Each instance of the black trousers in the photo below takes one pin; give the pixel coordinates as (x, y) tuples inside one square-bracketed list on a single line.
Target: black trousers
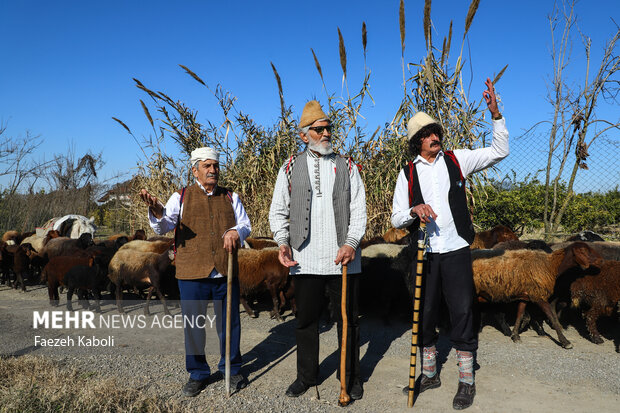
[(310, 301), (449, 275)]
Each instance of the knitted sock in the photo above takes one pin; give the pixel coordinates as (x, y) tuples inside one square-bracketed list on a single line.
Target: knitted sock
[(429, 362), (466, 366)]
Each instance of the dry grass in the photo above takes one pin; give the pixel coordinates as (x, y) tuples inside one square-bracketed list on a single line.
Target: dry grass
[(252, 153), (35, 384)]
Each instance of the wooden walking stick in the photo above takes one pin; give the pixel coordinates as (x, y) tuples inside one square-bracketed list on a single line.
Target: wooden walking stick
[(344, 399), (416, 311), (229, 276)]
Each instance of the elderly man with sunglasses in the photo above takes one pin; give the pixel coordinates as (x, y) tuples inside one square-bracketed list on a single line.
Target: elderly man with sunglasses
[(318, 217)]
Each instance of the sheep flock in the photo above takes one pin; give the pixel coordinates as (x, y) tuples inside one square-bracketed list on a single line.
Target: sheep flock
[(523, 283)]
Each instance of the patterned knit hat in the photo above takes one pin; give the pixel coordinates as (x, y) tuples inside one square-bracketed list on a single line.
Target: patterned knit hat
[(311, 113), (417, 122)]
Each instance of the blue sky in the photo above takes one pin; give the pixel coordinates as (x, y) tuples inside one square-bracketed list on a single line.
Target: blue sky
[(67, 66)]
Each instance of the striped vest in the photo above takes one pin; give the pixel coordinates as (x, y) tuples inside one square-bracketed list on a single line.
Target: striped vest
[(301, 192)]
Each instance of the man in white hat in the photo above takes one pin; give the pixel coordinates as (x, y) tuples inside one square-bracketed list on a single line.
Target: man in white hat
[(431, 189), (318, 217), (209, 222)]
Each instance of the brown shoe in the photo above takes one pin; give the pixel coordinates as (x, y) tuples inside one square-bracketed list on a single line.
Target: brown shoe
[(464, 396), (424, 383)]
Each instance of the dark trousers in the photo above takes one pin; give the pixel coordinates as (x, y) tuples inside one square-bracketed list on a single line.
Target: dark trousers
[(449, 274), (310, 300), (195, 294)]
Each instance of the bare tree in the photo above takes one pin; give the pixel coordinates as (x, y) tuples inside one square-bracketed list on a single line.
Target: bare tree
[(17, 168), (575, 125)]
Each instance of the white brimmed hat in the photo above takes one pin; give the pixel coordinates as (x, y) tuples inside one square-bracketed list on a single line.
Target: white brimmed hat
[(417, 122)]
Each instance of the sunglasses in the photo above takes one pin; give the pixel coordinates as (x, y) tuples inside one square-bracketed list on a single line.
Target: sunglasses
[(320, 129)]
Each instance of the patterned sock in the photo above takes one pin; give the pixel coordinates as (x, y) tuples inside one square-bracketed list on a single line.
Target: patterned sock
[(466, 366), (429, 363)]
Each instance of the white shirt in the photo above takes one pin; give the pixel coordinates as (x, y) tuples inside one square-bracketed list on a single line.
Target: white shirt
[(172, 213), (435, 184), (318, 252)]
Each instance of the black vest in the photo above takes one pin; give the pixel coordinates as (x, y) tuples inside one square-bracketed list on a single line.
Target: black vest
[(457, 199)]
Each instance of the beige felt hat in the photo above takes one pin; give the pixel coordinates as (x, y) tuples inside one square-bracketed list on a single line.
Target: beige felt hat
[(417, 122), (311, 113)]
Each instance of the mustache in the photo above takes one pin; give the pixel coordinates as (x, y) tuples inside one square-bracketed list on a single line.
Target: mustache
[(211, 175), (436, 143)]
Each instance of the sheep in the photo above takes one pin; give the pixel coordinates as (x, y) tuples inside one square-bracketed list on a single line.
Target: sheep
[(391, 236), (6, 264), (66, 246), (54, 272), (84, 278), (11, 237), (261, 270), (135, 268), (38, 242), (396, 236), (260, 243), (16, 259), (600, 293), (535, 244), (487, 239), (161, 238), (609, 250), (525, 275), (157, 247), (586, 236), (385, 275), (138, 235)]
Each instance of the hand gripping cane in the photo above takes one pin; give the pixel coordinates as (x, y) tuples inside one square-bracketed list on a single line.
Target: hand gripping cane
[(416, 311), (344, 399), (229, 276)]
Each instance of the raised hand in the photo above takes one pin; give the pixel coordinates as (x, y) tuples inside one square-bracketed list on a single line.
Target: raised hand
[(157, 209), (490, 99)]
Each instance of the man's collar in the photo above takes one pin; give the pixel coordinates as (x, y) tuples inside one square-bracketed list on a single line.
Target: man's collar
[(204, 190), (419, 158)]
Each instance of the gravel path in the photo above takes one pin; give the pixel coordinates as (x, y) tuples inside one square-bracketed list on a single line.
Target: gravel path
[(535, 375)]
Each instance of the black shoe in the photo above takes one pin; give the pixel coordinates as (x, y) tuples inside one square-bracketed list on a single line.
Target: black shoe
[(357, 391), (425, 383), (238, 382), (297, 388), (464, 396), (193, 387)]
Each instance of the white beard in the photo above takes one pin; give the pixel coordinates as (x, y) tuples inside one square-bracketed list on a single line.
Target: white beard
[(318, 147)]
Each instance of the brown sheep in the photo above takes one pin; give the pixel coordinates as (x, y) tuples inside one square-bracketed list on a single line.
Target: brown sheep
[(487, 239), (391, 236), (161, 238), (156, 247), (11, 237), (525, 275), (66, 246), (55, 270), (138, 235), (260, 243), (600, 293), (395, 235), (260, 270), (134, 268), (609, 250), (535, 244)]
